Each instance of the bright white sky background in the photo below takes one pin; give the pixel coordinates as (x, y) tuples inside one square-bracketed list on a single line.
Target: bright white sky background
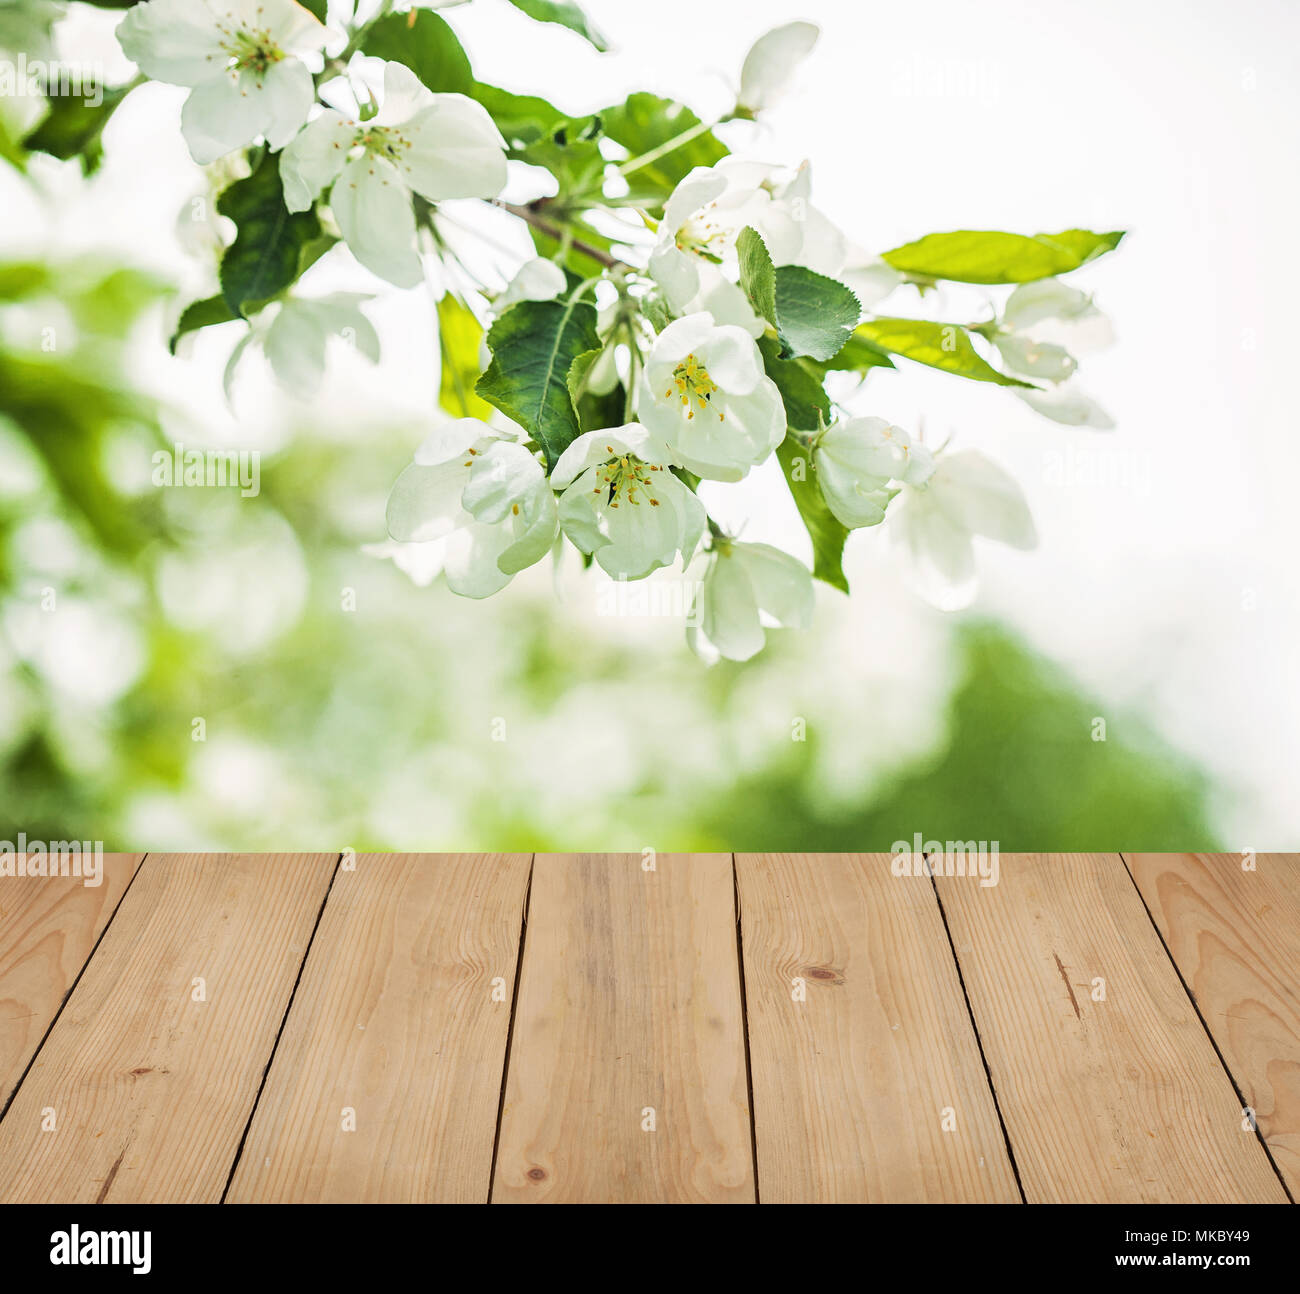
[(1166, 576)]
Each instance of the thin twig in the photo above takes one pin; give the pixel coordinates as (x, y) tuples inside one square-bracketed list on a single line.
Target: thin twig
[(539, 222)]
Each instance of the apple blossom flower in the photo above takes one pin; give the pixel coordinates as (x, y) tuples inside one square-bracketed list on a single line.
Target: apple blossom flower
[(437, 145), (705, 395), (745, 587), (294, 334), (622, 505), (1043, 324), (966, 495), (704, 216), (855, 461), (242, 60), (487, 496)]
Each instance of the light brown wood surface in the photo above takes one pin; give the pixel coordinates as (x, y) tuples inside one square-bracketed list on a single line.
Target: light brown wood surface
[(150, 1090), (1121, 1100), (48, 927), (1232, 925), (575, 1027), (867, 1077), (629, 1009), (402, 1017)]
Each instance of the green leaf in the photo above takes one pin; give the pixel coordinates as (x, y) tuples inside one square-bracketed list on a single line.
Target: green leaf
[(858, 355), (316, 8), (802, 393), (814, 314), (201, 314), (534, 345), (73, 128), (974, 256), (459, 337), (566, 14), (757, 274), (270, 248), (644, 122), (940, 345), (827, 534), (424, 42), (522, 119), (571, 152)]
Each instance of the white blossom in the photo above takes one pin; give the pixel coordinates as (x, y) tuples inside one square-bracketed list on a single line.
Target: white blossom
[(242, 60), (294, 335), (486, 496), (966, 495), (622, 505), (746, 587), (856, 460), (705, 395), (437, 145)]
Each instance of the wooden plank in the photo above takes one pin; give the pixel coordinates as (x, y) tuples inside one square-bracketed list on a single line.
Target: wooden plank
[(150, 1089), (867, 1077), (1232, 925), (627, 1074), (401, 1017), (48, 926), (1120, 1100)]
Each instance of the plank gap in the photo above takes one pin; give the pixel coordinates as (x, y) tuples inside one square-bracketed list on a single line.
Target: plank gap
[(979, 1040), (279, 1033), (1209, 1033), (744, 1024), (510, 1028), (67, 997)]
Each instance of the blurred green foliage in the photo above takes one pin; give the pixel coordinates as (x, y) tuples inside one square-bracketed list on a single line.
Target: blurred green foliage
[(375, 728)]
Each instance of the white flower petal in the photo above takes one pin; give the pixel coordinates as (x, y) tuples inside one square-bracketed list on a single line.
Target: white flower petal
[(503, 476), (782, 585), (221, 115), (404, 95), (425, 502), (453, 150), (173, 40), (373, 210), (315, 158), (728, 611), (1034, 359), (984, 498), (1068, 404), (471, 563), (288, 93), (771, 63), (453, 439)]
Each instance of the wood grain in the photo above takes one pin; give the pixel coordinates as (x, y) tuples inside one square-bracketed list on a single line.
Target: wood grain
[(1234, 932), (1121, 1100), (629, 1008), (401, 1016), (870, 1089), (150, 1089), (48, 926)]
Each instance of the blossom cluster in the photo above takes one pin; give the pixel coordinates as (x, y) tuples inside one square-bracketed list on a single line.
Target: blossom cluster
[(620, 371)]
